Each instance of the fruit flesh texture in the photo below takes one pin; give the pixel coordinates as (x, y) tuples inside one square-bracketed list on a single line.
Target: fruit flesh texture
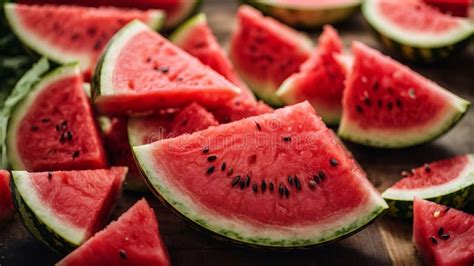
[(454, 245), (6, 204), (131, 240), (458, 8)]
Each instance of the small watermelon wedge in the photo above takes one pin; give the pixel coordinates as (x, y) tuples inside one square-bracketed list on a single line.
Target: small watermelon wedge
[(53, 127), (6, 204), (443, 236), (449, 182), (132, 240), (277, 180), (66, 34), (320, 80), (387, 105), (63, 209), (142, 72)]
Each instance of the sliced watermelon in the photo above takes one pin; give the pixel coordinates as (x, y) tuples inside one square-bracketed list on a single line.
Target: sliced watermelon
[(388, 105), (142, 72), (307, 14), (53, 127), (63, 209), (415, 30), (443, 236), (133, 239), (67, 34), (459, 8), (275, 180), (320, 80), (266, 52), (6, 205), (449, 182)]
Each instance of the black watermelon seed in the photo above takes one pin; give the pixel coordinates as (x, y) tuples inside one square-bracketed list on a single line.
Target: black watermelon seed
[(97, 45), (58, 128), (247, 181), (242, 184), (367, 101), (258, 126), (164, 69), (62, 138), (376, 85), (399, 103), (290, 180), (210, 170), (433, 240), (223, 166), (255, 188), (444, 236), (440, 231), (316, 179), (45, 120), (230, 172), (264, 185), (297, 183), (205, 150), (286, 139), (321, 175), (271, 187), (64, 125), (312, 184), (75, 154), (359, 109), (50, 175), (237, 103), (334, 162), (211, 158), (235, 181), (148, 59), (389, 106), (287, 192), (379, 103), (427, 167), (281, 190), (123, 254), (69, 135), (34, 128)]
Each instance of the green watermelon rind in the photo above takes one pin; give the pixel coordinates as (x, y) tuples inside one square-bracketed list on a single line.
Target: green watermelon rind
[(40, 222), (411, 45), (53, 53), (223, 228), (306, 18), (455, 194), (183, 31), (188, 11), (22, 108)]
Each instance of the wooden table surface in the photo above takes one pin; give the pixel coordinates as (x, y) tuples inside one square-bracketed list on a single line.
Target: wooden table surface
[(386, 242)]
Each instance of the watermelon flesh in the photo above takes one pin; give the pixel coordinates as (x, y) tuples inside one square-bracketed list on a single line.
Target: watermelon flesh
[(278, 179), (443, 236), (388, 105), (266, 52), (6, 204), (53, 127), (320, 80), (142, 72), (240, 108), (131, 240), (459, 8), (68, 33)]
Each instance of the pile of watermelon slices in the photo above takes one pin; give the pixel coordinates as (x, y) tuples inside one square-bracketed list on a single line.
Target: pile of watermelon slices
[(179, 117)]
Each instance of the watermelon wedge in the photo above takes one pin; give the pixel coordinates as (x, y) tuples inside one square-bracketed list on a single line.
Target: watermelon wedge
[(320, 80), (142, 72), (449, 182), (6, 205), (53, 128), (388, 105), (63, 209), (443, 236), (276, 180), (67, 34), (266, 52), (459, 8), (133, 239), (415, 30)]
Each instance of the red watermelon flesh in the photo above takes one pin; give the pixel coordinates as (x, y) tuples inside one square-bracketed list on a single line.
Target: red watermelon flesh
[(133, 239), (70, 33), (458, 8), (443, 236), (6, 204), (142, 72), (320, 80), (239, 108)]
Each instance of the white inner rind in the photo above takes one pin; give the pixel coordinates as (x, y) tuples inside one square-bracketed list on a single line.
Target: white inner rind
[(44, 213), (24, 107), (416, 39), (181, 34), (465, 179), (240, 229)]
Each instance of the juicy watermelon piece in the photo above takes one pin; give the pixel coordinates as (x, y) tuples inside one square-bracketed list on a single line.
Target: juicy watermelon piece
[(443, 236), (142, 72), (53, 127), (450, 182), (240, 108), (276, 180), (6, 205), (320, 80), (388, 105), (63, 209), (266, 52), (133, 239), (415, 30), (67, 34), (459, 8)]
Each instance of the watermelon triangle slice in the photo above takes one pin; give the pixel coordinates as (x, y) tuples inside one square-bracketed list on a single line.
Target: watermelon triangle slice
[(133, 239), (141, 72), (63, 209), (443, 236)]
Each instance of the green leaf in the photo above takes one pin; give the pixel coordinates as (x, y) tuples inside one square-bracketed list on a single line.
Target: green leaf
[(21, 89)]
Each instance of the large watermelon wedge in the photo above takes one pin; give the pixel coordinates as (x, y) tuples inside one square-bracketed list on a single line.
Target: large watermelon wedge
[(142, 72), (132, 240), (6, 205), (66, 34), (386, 104), (449, 182), (63, 209), (53, 127), (443, 236), (274, 180)]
